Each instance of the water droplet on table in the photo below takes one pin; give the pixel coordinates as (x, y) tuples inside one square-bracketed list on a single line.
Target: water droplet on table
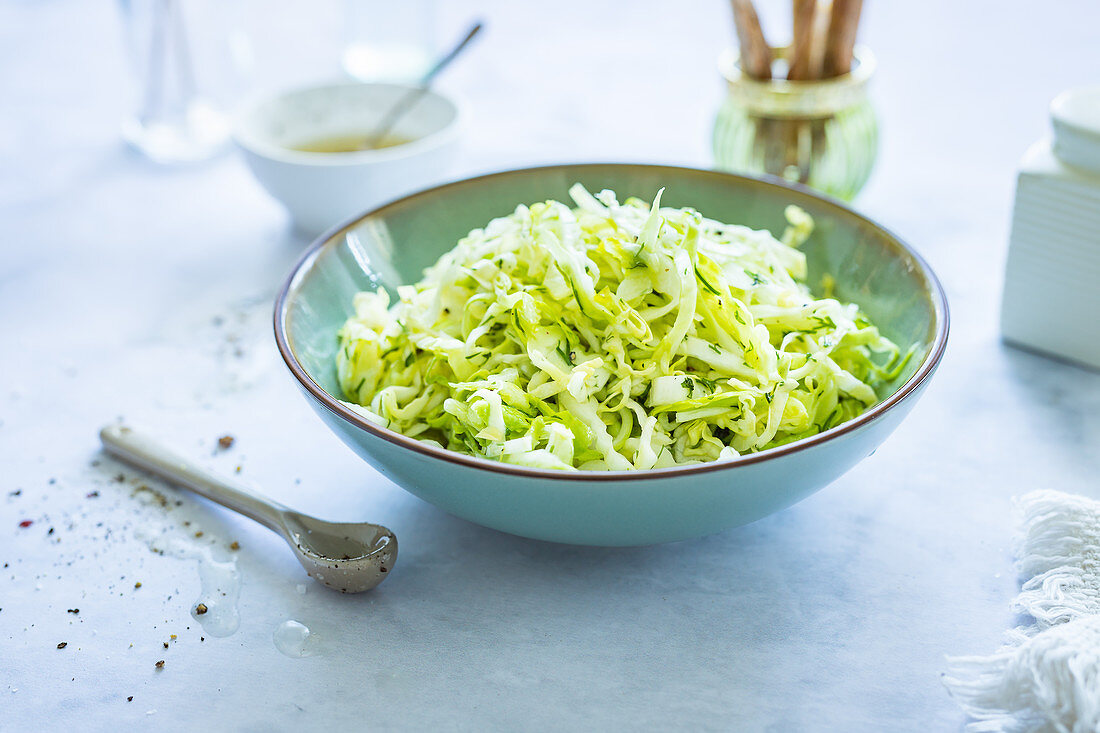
[(294, 639)]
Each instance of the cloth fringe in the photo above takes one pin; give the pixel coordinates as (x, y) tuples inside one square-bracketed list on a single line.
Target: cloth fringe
[(1059, 553), (1047, 676)]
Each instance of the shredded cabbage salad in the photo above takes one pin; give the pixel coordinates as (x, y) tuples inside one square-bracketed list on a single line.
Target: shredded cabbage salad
[(613, 336)]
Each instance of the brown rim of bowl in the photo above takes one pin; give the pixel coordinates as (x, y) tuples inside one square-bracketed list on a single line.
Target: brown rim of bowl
[(333, 405)]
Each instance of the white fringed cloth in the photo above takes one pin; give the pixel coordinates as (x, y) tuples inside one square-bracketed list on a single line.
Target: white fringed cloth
[(1047, 676)]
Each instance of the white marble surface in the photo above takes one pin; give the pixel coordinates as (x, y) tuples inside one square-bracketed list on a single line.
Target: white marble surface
[(130, 290)]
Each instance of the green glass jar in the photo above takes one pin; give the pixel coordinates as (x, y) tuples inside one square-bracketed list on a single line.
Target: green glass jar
[(820, 133)]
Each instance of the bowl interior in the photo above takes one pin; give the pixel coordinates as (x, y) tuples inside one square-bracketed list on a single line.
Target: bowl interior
[(393, 245), (275, 126)]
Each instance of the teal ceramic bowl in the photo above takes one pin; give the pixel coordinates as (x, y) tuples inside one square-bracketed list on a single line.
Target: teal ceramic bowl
[(391, 246)]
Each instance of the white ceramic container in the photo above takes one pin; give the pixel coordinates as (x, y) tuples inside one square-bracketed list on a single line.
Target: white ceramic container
[(323, 189), (1052, 278)]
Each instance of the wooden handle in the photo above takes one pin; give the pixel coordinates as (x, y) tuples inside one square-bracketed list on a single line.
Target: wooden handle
[(799, 58), (818, 34), (843, 22), (756, 56)]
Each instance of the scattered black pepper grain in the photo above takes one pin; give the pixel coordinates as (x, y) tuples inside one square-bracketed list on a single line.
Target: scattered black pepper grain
[(51, 531), (62, 645), (130, 698), (201, 609), (92, 494), (165, 645), (202, 638), (225, 442), (73, 610), (159, 665), (17, 492)]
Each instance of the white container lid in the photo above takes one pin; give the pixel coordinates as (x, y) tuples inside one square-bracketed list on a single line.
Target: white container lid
[(1075, 115)]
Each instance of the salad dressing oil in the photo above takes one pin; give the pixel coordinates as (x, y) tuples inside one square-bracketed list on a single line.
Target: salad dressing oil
[(349, 144)]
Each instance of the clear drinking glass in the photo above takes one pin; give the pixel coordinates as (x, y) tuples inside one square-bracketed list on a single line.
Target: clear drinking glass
[(821, 133), (388, 41), (172, 44)]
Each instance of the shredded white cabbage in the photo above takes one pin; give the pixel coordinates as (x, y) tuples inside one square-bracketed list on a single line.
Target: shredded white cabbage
[(613, 337)]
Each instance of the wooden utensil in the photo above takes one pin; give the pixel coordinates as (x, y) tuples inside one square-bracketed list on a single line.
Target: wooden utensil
[(756, 55), (798, 59), (841, 37)]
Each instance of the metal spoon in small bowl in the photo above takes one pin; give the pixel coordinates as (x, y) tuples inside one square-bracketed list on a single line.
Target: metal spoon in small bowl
[(405, 102), (350, 558)]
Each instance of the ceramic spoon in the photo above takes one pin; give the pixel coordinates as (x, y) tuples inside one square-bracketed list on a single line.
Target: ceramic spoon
[(350, 558)]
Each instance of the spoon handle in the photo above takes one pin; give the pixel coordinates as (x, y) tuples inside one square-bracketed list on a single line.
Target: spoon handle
[(444, 62), (411, 97), (144, 452)]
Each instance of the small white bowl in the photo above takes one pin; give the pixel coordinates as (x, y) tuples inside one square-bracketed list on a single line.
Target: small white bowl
[(322, 189)]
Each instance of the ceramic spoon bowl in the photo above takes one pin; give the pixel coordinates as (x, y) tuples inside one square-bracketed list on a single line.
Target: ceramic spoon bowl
[(350, 558)]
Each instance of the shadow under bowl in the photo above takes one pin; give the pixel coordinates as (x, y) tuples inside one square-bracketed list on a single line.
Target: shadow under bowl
[(392, 245)]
